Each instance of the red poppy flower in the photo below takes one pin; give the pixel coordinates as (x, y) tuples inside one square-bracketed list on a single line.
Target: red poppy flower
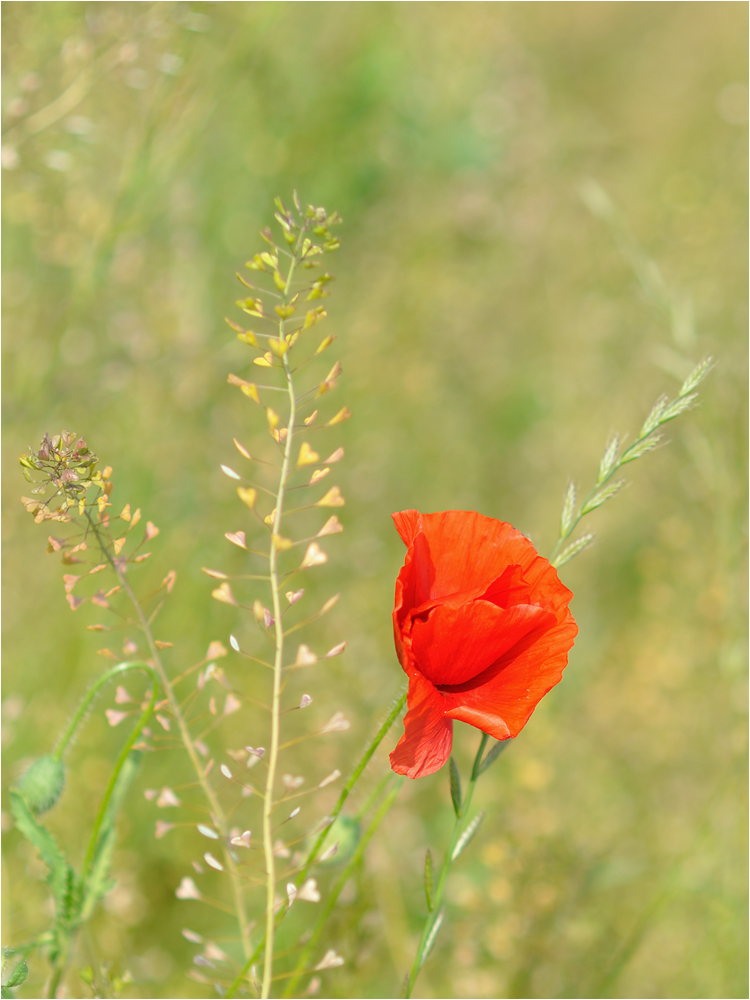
[(482, 631)]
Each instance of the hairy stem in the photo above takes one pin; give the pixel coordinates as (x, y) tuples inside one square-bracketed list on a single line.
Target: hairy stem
[(217, 811), (61, 961), (119, 764), (92, 692), (356, 774), (420, 956), (335, 891)]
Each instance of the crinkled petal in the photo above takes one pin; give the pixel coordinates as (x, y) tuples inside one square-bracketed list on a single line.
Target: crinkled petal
[(466, 550), (504, 698), (428, 734), (414, 582), (407, 525), (509, 589), (454, 644)]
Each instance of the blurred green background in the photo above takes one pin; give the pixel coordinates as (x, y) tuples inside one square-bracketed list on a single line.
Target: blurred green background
[(492, 336)]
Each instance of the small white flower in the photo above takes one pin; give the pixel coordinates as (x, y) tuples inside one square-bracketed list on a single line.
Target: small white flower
[(187, 889), (167, 798), (309, 891), (336, 724), (329, 961)]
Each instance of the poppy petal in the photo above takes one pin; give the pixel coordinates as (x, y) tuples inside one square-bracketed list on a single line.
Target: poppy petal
[(468, 550), (510, 588), (514, 688), (415, 581), (428, 734), (407, 525), (454, 644)]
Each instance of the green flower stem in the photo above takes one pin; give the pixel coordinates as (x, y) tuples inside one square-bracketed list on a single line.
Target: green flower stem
[(59, 969), (92, 692), (121, 668), (420, 956), (335, 891), (187, 741), (119, 766), (278, 666), (356, 774)]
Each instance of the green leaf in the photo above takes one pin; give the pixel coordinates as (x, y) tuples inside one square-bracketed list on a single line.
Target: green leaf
[(494, 753), (98, 882), (467, 836), (455, 787), (346, 833), (62, 879), (18, 975), (43, 783), (429, 881), (431, 937)]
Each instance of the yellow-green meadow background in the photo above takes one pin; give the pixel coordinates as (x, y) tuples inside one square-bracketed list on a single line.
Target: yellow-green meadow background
[(492, 335)]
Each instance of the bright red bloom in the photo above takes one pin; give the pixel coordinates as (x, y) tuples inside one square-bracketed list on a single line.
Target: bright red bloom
[(482, 631)]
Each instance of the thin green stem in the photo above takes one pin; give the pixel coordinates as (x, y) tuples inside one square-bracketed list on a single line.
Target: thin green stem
[(595, 489), (335, 890), (355, 776), (346, 790), (63, 743), (420, 956), (278, 667), (187, 741), (119, 764), (92, 692)]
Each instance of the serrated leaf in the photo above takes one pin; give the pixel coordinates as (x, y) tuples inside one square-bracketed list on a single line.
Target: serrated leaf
[(431, 937), (602, 495), (455, 779), (609, 459), (429, 881), (568, 511), (98, 882), (62, 880), (572, 550), (493, 754), (467, 836), (18, 976)]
